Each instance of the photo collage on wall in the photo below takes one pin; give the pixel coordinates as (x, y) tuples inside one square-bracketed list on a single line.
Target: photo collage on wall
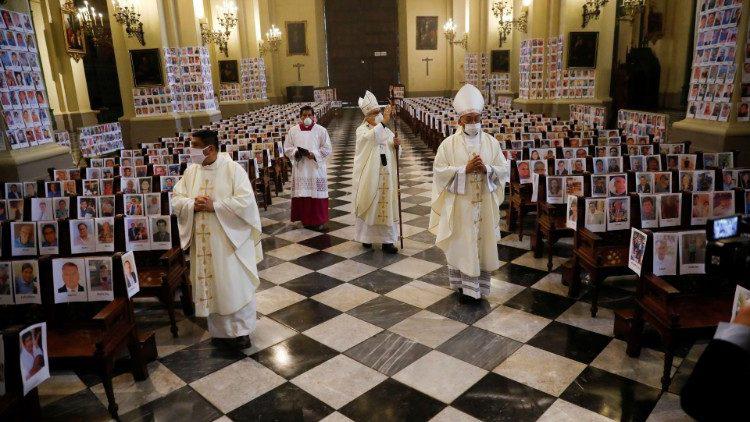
[(477, 71), (531, 69), (23, 96), (188, 72), (100, 139), (714, 57), (153, 100), (251, 85)]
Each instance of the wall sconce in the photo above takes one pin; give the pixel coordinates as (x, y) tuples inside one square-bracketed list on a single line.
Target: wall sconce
[(450, 34), (271, 44), (125, 14), (630, 8), (591, 10), (503, 11), (227, 20), (92, 24)]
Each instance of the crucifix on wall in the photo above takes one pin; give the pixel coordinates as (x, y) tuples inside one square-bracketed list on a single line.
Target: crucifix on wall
[(299, 66), (427, 61)]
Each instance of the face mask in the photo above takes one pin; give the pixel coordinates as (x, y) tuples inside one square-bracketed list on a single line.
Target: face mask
[(197, 155), (307, 122), (472, 129), (379, 118)]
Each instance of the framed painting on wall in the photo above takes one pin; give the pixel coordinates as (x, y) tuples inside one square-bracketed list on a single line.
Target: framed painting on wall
[(146, 66), (582, 48), (427, 32), (500, 61), (228, 72), (296, 38), (75, 42)]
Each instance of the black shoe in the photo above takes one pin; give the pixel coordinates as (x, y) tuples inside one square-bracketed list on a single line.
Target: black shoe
[(242, 342), (367, 245), (222, 343), (389, 248)]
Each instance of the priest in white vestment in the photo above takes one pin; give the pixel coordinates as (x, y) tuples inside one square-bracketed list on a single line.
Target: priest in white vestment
[(219, 221), (307, 145), (469, 176), (375, 179)]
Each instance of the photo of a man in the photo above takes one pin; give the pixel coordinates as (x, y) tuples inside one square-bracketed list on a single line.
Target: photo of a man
[(161, 233), (71, 278), (32, 357), (25, 278), (48, 233)]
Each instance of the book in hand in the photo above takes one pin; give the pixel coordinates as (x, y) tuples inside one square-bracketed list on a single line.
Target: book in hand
[(301, 152)]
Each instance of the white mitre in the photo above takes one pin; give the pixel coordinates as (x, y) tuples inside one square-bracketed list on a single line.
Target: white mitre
[(468, 100), (369, 103)]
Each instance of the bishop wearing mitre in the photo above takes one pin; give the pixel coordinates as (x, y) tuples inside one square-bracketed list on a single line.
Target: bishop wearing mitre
[(469, 174), (219, 221), (307, 145), (374, 178)]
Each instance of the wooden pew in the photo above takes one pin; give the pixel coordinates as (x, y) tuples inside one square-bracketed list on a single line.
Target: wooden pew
[(683, 307)]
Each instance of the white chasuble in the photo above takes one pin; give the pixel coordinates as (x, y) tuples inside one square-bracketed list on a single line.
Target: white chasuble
[(376, 186), (224, 244), (308, 176), (465, 214)]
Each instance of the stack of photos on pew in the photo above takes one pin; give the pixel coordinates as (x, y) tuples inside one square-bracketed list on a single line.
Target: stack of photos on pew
[(153, 100), (23, 96), (252, 85), (100, 139), (327, 94), (531, 69), (714, 69), (188, 72), (593, 116), (642, 123), (674, 252)]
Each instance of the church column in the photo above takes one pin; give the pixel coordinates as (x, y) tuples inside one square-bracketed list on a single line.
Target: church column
[(713, 136)]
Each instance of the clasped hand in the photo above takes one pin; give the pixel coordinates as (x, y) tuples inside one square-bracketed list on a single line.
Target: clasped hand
[(476, 165), (204, 204)]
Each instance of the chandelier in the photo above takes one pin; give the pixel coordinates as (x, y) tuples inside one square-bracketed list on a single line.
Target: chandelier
[(503, 11), (591, 10), (92, 24), (271, 44), (630, 8), (450, 28), (227, 21), (125, 14)]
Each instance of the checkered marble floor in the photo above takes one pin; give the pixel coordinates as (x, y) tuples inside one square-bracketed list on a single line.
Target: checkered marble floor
[(346, 333)]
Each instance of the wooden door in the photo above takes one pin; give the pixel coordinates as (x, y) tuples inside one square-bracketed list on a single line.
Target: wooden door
[(362, 47)]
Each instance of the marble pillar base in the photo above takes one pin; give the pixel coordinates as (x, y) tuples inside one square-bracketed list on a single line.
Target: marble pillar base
[(149, 128), (557, 108), (234, 108), (72, 120), (713, 136), (32, 163)]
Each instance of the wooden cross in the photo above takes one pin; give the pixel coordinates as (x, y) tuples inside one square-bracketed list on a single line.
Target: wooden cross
[(299, 66), (427, 61)]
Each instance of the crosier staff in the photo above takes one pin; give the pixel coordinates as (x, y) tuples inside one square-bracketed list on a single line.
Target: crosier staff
[(398, 173)]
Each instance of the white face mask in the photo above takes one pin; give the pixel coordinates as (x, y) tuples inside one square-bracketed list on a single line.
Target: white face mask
[(472, 129), (379, 118), (307, 122), (197, 155)]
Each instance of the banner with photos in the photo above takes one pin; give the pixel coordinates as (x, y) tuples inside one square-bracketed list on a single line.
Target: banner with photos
[(252, 85), (100, 139), (23, 96), (713, 71)]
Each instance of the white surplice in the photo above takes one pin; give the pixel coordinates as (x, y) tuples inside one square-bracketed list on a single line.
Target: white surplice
[(376, 186), (308, 176), (465, 216), (224, 244)]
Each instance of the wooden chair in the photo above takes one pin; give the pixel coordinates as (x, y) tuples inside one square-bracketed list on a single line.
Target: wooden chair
[(162, 277), (519, 202), (14, 405), (86, 336), (684, 307)]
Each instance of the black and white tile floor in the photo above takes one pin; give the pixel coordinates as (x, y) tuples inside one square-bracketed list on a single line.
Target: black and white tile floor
[(348, 333)]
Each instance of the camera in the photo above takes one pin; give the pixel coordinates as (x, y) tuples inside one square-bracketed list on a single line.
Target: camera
[(728, 247)]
